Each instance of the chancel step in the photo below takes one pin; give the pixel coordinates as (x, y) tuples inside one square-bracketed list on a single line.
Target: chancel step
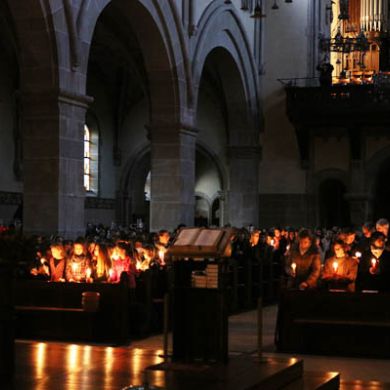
[(241, 373)]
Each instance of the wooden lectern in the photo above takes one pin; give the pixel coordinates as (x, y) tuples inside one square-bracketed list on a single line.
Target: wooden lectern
[(200, 314)]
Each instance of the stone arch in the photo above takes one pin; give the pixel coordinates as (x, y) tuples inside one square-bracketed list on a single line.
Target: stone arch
[(220, 30), (37, 46), (161, 38)]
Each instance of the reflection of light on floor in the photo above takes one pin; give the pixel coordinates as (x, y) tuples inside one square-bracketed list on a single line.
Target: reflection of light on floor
[(86, 365), (108, 364), (72, 357), (87, 355), (40, 359)]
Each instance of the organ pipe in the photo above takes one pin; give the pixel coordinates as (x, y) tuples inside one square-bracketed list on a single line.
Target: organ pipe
[(373, 15)]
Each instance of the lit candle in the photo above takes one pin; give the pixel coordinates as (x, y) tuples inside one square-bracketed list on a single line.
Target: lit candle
[(335, 266), (75, 267), (88, 273), (358, 255), (374, 262), (294, 268), (115, 256), (272, 242), (43, 260), (161, 257), (138, 265), (111, 273)]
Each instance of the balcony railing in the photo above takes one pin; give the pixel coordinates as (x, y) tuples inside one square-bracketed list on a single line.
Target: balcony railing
[(338, 105)]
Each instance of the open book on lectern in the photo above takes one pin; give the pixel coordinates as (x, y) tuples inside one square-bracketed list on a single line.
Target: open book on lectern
[(202, 242)]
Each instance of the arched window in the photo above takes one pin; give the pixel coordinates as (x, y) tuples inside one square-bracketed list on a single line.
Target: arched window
[(87, 158), (91, 159)]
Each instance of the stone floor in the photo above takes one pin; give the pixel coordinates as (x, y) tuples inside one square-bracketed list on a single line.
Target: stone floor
[(62, 366)]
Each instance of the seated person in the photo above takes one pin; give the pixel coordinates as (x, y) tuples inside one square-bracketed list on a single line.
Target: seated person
[(122, 267), (374, 266), (100, 262), (78, 267), (303, 264), (57, 262), (340, 270)]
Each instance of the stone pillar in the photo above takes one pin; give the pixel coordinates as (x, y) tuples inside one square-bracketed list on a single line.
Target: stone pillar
[(53, 135), (243, 194), (359, 205), (172, 176)]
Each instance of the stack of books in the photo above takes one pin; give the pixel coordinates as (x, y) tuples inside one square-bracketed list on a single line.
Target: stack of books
[(199, 280), (212, 275)]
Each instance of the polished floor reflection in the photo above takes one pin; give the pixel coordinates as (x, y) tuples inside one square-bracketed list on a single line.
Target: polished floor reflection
[(60, 366), (63, 366)]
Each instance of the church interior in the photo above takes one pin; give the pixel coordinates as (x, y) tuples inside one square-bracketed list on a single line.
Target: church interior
[(189, 147)]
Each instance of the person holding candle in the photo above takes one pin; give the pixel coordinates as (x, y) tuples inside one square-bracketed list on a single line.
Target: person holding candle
[(122, 268), (57, 261), (100, 262), (340, 270), (303, 264), (374, 266), (78, 263)]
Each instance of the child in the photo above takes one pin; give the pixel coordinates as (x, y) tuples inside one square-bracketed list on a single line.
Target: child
[(78, 267), (122, 266)]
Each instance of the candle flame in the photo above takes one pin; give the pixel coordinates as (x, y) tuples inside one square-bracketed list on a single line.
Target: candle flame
[(111, 272), (294, 266), (373, 262), (335, 266), (358, 255), (88, 273)]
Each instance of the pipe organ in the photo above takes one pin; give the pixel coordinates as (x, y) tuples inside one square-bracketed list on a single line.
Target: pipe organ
[(373, 15)]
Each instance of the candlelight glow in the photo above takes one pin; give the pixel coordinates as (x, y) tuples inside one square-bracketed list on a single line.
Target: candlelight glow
[(88, 273), (75, 266), (358, 255), (373, 262), (161, 256), (111, 273), (294, 267), (335, 266)]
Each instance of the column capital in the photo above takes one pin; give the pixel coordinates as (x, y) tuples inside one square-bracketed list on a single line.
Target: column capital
[(55, 95)]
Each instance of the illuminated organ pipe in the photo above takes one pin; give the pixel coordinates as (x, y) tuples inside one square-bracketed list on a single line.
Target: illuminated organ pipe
[(373, 15)]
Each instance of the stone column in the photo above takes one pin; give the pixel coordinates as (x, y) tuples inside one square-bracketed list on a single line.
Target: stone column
[(172, 176), (359, 205), (243, 194), (53, 135)]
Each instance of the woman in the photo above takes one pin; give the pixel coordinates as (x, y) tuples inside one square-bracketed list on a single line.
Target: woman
[(340, 270), (100, 262), (303, 264)]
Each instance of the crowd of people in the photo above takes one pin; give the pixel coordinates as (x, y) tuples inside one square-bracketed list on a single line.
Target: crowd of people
[(336, 259), (95, 258)]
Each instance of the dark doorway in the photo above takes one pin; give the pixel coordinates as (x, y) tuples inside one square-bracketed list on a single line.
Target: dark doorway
[(382, 192), (334, 209)]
